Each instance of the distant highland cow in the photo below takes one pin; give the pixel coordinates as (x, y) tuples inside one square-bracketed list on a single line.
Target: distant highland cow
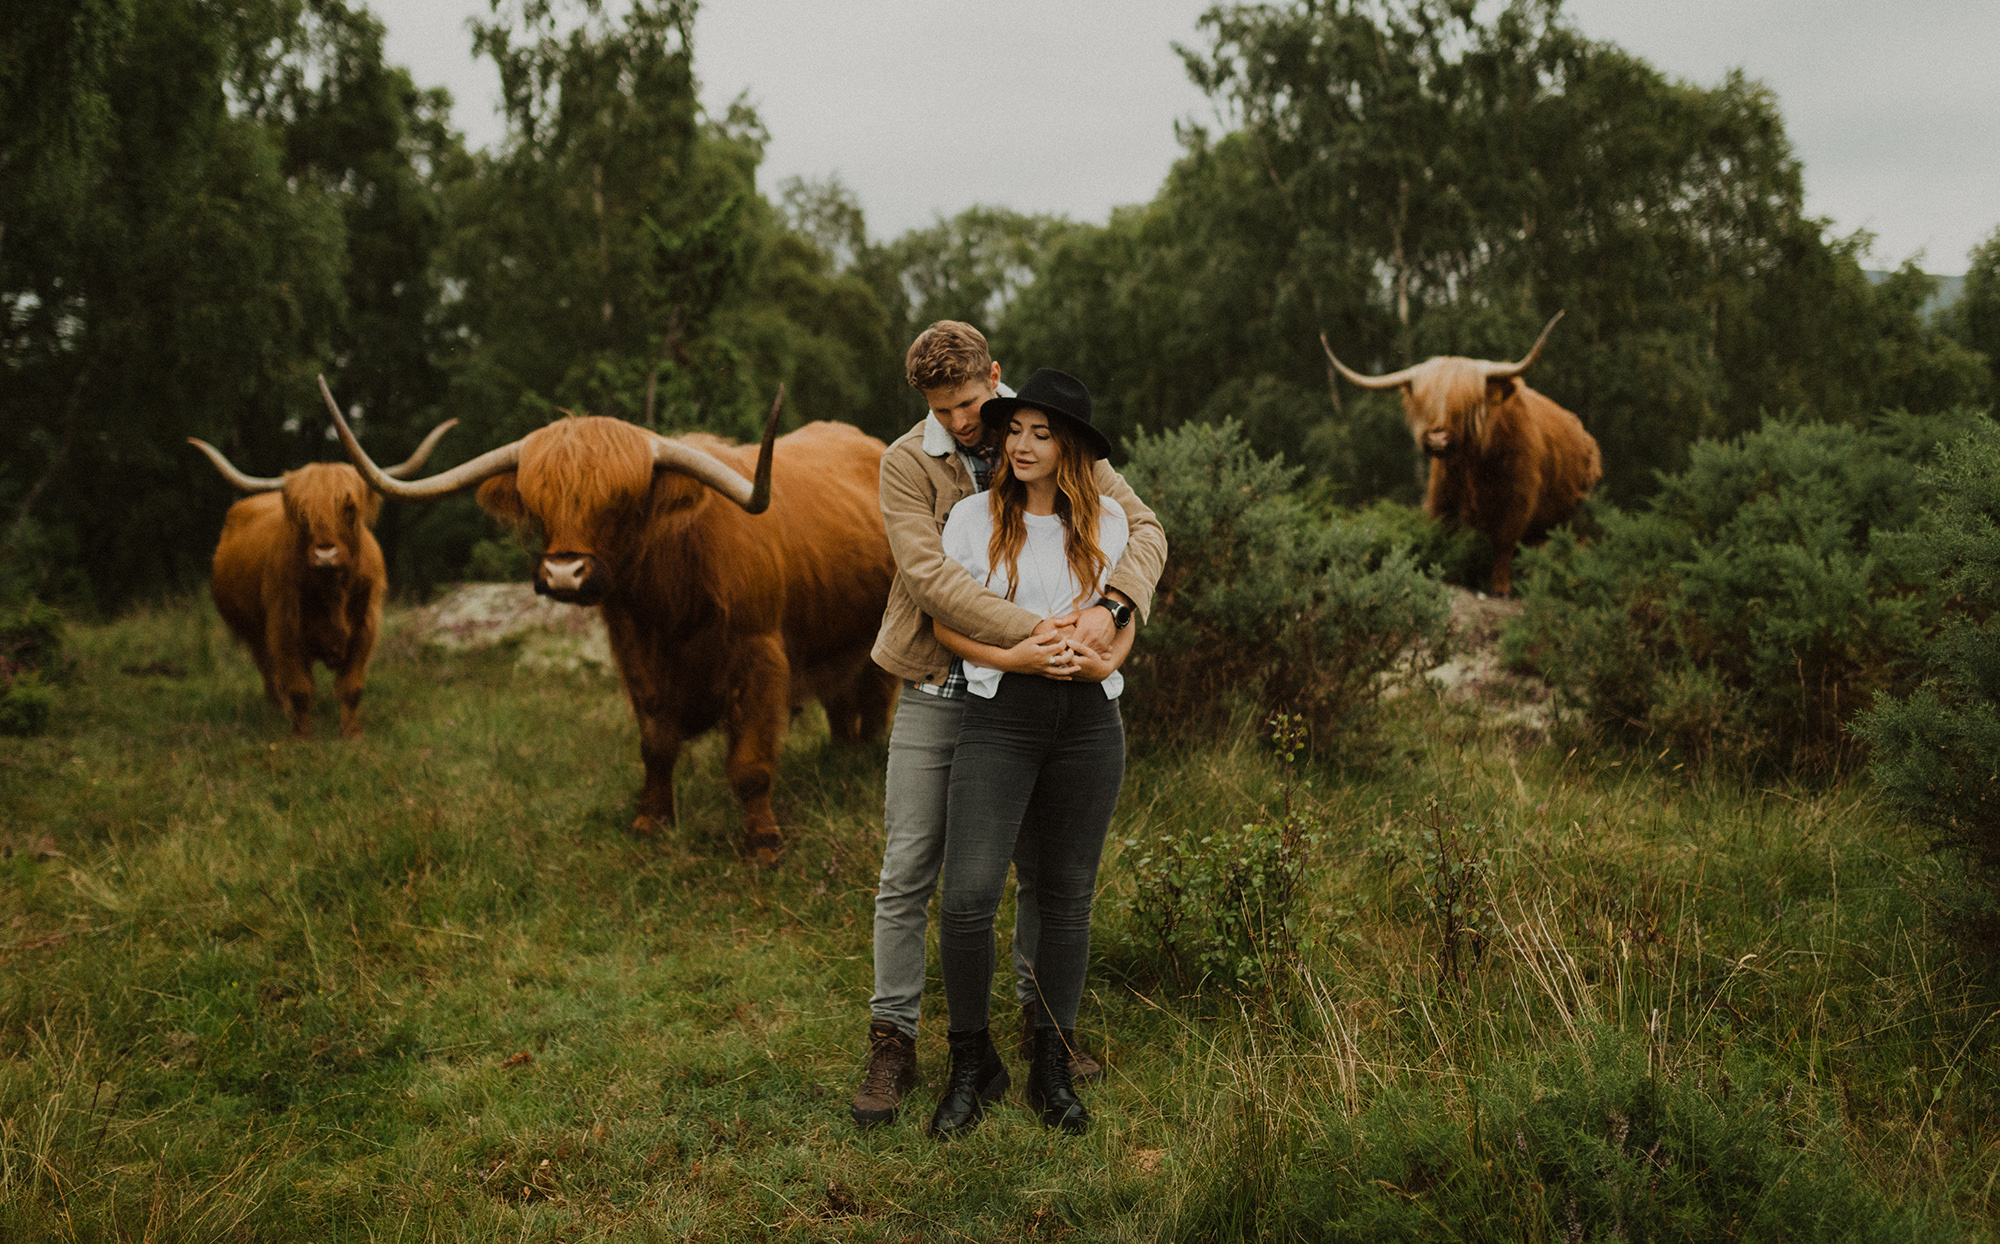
[(1505, 460), (299, 578)]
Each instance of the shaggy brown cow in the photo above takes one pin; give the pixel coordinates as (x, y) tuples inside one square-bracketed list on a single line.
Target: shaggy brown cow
[(1505, 460), (719, 613), (299, 578)]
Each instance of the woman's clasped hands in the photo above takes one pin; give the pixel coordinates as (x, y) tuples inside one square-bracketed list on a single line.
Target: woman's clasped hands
[(1055, 650)]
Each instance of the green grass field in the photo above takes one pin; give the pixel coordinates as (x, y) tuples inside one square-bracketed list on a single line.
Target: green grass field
[(424, 986)]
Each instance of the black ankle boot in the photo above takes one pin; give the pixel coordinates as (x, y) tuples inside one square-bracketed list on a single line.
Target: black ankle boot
[(1050, 1089), (978, 1077)]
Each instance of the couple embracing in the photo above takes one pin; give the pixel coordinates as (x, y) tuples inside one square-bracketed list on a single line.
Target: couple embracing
[(1022, 560)]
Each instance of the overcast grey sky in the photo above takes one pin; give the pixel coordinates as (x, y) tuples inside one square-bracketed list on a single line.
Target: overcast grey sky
[(1069, 105)]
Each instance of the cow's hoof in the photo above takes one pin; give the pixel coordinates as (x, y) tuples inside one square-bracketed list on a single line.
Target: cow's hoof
[(645, 826), (766, 850)]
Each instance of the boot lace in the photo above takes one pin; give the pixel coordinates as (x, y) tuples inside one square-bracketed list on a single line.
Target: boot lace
[(1055, 1065), (880, 1077)]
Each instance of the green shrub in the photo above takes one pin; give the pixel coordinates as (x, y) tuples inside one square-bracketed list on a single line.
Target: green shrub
[(31, 637), (1576, 1144), (1222, 906), (1745, 612), (1262, 598), (1937, 750), (31, 634), (501, 560), (25, 702), (1458, 555)]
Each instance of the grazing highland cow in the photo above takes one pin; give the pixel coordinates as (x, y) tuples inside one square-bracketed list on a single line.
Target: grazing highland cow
[(1505, 460), (719, 612), (299, 578)]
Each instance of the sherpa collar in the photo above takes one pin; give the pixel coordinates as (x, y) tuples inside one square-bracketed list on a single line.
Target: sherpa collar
[(938, 440)]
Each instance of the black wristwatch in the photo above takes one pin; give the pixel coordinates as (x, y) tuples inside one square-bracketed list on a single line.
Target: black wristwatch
[(1121, 613)]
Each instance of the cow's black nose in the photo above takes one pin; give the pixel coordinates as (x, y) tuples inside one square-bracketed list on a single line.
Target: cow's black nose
[(575, 578)]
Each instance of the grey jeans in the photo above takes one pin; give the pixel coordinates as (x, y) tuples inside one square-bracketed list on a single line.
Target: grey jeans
[(921, 744)]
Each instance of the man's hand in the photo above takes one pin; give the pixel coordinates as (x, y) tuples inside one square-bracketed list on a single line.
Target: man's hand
[(1092, 665), (1091, 627)]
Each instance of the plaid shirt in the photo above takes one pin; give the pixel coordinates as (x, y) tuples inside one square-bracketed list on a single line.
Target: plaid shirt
[(979, 464)]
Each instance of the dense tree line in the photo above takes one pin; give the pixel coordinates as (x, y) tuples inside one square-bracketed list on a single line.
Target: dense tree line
[(205, 202), (1412, 181)]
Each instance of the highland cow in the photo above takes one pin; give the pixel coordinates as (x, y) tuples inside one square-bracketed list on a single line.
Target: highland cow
[(734, 590), (1504, 460), (299, 578)]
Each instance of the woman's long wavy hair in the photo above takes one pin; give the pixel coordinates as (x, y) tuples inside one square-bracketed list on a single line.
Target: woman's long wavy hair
[(1077, 504)]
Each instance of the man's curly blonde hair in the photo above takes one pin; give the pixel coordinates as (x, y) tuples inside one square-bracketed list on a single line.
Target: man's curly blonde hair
[(946, 355)]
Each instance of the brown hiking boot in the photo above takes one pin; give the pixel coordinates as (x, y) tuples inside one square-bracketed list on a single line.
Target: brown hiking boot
[(1083, 1069), (891, 1072)]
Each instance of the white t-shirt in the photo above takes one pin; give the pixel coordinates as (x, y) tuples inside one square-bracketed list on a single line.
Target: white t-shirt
[(1048, 586)]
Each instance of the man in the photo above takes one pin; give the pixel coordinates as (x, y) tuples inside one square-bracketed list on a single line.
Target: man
[(942, 460)]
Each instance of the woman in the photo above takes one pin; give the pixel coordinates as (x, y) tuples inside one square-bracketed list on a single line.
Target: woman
[(1041, 752)]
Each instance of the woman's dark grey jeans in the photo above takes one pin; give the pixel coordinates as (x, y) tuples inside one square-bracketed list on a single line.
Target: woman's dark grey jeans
[(1036, 776)]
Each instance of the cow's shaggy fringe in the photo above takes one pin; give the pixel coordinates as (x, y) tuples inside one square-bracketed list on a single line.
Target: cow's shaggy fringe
[(595, 467)]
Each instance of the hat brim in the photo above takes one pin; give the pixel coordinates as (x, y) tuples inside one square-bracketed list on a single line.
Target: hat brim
[(996, 412)]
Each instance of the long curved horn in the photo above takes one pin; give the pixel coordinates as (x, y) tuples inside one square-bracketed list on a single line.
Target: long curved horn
[(1394, 380), (414, 463), (248, 483), (459, 478), (755, 497), (1503, 371)]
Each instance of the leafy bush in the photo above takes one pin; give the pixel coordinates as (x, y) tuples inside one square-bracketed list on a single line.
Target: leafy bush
[(1937, 750), (1260, 596), (1745, 611), (1456, 554), (31, 635), (500, 560), (1575, 1144), (1222, 906)]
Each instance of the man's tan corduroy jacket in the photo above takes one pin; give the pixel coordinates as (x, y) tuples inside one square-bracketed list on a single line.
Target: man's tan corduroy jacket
[(922, 478)]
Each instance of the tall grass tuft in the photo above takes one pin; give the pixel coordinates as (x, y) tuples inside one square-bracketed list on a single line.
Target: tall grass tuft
[(1572, 1143)]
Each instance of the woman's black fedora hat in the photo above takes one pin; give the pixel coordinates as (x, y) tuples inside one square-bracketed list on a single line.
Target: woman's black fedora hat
[(1060, 395)]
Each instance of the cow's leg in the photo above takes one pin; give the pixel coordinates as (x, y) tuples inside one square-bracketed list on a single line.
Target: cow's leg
[(1505, 537), (353, 674), (756, 726), (866, 704), (879, 689), (659, 749), (260, 652), (1503, 570), (348, 683), (291, 674), (841, 715)]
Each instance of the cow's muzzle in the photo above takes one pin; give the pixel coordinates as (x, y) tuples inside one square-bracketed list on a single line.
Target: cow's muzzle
[(1437, 444), (325, 557), (573, 578)]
